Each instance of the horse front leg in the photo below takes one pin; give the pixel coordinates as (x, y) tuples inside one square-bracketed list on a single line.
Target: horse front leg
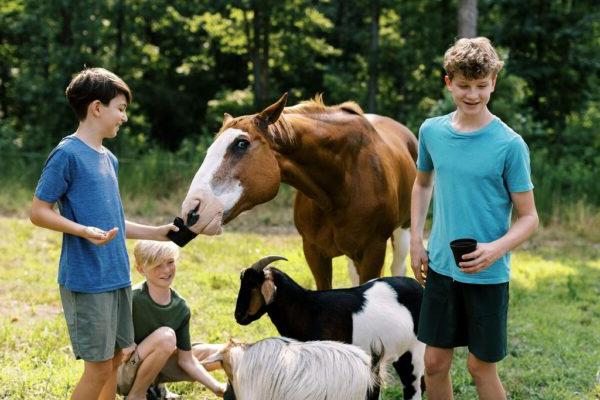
[(370, 265), (320, 265)]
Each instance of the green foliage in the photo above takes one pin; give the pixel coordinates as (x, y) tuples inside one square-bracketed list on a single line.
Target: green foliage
[(554, 314), (555, 49), (187, 62), (235, 103)]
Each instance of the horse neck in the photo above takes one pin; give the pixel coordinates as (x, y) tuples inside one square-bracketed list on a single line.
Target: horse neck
[(313, 161)]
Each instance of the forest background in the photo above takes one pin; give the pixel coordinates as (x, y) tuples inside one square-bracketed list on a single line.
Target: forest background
[(189, 61)]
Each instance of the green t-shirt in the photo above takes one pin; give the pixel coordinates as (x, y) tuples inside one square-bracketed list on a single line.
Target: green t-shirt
[(148, 316)]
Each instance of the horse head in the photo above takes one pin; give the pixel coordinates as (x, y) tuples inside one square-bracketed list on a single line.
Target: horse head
[(240, 170)]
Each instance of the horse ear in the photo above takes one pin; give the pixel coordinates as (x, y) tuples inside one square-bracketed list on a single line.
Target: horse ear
[(271, 114), (226, 118)]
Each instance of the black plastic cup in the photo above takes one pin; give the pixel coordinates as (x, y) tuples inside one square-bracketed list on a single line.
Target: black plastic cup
[(183, 236), (461, 247)]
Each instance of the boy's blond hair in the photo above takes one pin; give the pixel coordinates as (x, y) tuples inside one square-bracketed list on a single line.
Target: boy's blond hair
[(474, 58), (149, 254)]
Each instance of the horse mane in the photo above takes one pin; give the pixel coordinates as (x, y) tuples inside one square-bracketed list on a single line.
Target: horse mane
[(316, 105), (283, 131)]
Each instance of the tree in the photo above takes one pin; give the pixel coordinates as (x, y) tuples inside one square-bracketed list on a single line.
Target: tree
[(373, 57), (259, 50), (467, 18)]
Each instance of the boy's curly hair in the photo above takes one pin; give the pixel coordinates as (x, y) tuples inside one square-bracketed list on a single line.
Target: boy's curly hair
[(474, 58)]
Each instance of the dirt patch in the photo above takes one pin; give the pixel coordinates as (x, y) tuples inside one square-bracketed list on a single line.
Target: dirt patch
[(20, 312)]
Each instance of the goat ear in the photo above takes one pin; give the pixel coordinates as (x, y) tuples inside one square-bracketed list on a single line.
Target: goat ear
[(226, 118), (268, 288)]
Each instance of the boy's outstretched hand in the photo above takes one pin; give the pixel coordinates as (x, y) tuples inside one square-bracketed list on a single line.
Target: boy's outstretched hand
[(162, 231), (99, 236)]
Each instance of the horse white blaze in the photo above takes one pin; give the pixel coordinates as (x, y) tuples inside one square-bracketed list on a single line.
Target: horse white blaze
[(228, 192)]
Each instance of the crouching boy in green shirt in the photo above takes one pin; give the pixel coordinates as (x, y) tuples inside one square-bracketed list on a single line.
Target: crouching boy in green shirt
[(161, 321)]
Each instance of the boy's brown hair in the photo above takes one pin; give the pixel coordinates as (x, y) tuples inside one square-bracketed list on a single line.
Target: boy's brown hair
[(474, 58), (94, 84)]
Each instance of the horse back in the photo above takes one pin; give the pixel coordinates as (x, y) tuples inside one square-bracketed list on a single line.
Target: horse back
[(398, 145), (394, 134), (377, 199)]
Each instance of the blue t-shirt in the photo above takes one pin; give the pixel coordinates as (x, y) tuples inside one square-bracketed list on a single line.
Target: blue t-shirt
[(83, 182), (475, 172)]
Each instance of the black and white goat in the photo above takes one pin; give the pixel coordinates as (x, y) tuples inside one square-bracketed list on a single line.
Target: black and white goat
[(285, 369), (385, 309)]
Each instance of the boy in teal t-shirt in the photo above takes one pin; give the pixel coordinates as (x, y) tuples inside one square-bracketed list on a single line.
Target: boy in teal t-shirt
[(481, 170)]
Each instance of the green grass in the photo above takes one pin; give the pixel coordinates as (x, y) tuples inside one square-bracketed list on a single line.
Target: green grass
[(554, 339)]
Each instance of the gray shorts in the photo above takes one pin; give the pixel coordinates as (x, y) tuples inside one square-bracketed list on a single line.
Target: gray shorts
[(170, 372), (98, 323)]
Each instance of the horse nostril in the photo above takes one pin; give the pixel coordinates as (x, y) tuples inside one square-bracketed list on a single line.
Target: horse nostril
[(192, 216)]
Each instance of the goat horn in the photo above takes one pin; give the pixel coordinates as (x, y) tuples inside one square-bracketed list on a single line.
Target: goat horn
[(263, 262)]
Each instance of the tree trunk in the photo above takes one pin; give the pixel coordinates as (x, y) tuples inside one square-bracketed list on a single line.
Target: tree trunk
[(373, 57), (467, 19), (339, 38), (120, 26), (260, 51)]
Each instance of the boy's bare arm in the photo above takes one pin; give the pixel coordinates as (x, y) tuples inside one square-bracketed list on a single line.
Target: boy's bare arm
[(138, 231), (192, 366), (420, 199), (43, 214), (526, 223)]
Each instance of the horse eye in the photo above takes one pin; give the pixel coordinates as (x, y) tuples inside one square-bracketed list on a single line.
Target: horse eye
[(242, 144)]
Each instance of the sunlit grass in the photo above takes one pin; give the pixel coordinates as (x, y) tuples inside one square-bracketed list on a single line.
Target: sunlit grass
[(554, 345)]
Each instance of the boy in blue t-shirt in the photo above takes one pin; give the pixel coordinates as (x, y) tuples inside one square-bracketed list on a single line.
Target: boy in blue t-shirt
[(80, 176), (481, 171)]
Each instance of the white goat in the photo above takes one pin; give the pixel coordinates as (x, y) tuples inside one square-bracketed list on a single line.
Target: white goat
[(280, 368)]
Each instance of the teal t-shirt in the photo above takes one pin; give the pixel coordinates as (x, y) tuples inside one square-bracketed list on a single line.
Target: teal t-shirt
[(148, 316), (474, 172)]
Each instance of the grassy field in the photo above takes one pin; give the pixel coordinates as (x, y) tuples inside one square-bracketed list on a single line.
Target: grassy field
[(554, 339)]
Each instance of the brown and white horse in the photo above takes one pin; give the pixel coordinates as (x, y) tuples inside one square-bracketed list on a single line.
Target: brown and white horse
[(353, 172)]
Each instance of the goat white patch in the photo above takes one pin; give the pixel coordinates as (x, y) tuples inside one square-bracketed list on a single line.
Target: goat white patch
[(228, 192), (383, 317)]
